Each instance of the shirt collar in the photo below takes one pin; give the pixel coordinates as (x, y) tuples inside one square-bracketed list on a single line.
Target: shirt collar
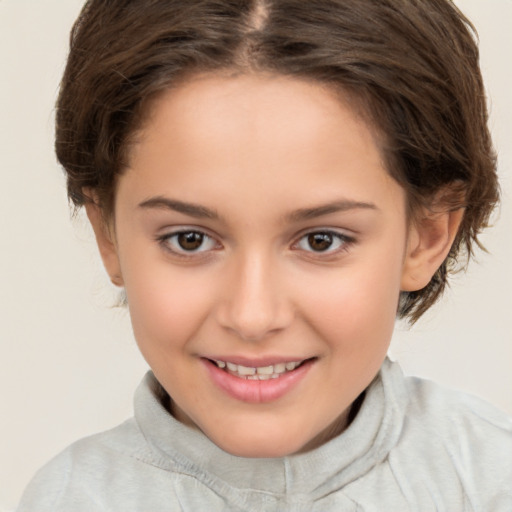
[(364, 444)]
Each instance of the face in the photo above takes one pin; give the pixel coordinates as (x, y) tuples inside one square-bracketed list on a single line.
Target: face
[(263, 247)]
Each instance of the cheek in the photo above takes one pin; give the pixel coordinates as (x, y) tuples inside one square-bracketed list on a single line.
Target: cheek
[(355, 309), (167, 305)]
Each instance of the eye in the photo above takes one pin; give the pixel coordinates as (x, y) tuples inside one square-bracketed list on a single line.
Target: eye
[(323, 242), (188, 242)]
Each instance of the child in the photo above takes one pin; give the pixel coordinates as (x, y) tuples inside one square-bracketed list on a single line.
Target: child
[(270, 182)]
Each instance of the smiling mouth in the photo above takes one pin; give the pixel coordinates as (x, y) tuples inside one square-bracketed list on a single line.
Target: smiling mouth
[(274, 371)]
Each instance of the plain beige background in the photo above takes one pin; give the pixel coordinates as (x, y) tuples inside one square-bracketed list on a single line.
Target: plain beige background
[(69, 365)]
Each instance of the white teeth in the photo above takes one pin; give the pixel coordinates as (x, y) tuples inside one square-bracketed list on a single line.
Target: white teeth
[(265, 370), (260, 372), (280, 368), (244, 370)]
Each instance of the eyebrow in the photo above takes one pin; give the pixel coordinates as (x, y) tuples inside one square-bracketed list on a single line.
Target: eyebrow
[(325, 209), (191, 209), (201, 212)]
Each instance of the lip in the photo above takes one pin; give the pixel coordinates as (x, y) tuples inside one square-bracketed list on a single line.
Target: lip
[(256, 391)]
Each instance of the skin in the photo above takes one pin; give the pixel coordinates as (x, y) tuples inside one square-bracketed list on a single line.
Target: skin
[(262, 156)]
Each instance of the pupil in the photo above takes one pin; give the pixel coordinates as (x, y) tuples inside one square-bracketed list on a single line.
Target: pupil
[(320, 241), (190, 241)]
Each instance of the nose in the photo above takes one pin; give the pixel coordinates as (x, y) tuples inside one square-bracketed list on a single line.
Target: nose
[(255, 304)]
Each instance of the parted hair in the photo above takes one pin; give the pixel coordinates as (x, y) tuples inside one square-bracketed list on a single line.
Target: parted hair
[(412, 66)]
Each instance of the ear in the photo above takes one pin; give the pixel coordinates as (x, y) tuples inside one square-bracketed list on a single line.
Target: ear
[(104, 239), (430, 239)]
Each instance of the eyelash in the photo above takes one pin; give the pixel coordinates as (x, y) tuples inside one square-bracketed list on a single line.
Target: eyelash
[(344, 242), (166, 240)]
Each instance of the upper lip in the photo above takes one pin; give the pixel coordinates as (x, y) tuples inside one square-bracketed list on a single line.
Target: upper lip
[(256, 362)]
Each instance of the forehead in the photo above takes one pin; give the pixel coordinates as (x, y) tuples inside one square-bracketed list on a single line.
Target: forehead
[(268, 136)]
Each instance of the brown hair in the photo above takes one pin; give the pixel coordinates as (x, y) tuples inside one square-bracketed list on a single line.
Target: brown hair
[(411, 64)]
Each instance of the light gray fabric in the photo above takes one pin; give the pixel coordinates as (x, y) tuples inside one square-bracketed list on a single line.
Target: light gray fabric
[(412, 447)]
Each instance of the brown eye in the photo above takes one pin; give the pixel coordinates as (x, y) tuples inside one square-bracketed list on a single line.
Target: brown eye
[(320, 242), (326, 242), (190, 241)]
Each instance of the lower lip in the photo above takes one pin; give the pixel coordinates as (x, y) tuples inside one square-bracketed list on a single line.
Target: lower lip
[(256, 391)]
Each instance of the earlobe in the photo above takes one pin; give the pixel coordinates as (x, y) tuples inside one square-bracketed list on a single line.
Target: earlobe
[(429, 242), (105, 241)]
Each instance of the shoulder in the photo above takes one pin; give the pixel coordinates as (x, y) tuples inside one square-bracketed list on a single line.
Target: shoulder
[(449, 412), (460, 438), (73, 480)]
